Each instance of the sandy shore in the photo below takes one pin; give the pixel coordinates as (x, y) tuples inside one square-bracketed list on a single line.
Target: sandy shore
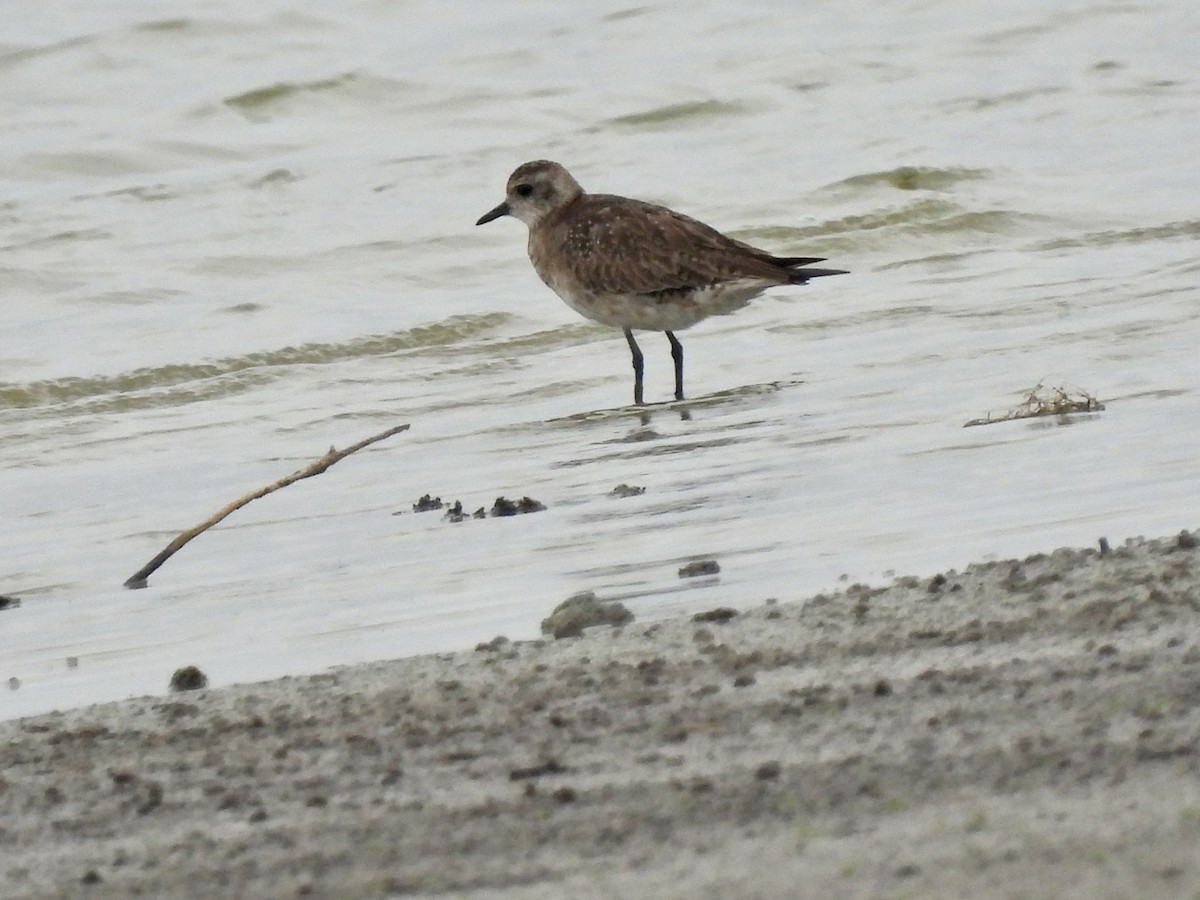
[(1019, 729)]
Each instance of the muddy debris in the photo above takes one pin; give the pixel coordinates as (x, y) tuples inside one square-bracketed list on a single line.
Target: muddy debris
[(721, 614), (549, 767), (564, 795), (584, 610), (700, 567), (499, 642), (505, 507), (188, 678), (768, 771), (7, 602), (626, 490), (1041, 401), (427, 503)]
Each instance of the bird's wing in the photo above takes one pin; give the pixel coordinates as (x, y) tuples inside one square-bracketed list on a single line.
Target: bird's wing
[(626, 246)]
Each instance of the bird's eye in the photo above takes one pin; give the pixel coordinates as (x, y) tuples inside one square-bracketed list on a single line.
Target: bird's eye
[(524, 190)]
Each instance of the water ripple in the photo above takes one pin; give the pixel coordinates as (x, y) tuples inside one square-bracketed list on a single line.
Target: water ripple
[(195, 381)]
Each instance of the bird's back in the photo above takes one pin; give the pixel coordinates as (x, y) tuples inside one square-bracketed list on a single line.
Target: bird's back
[(617, 245)]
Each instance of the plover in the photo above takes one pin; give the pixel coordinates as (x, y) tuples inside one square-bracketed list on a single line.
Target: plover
[(634, 265)]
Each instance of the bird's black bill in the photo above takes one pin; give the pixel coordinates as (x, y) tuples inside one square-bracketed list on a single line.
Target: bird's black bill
[(501, 210)]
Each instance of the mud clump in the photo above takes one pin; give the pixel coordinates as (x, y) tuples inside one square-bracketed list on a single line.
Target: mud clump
[(503, 507), (700, 567), (626, 490), (499, 642), (584, 610), (427, 503), (540, 770), (455, 513), (189, 678), (720, 614)]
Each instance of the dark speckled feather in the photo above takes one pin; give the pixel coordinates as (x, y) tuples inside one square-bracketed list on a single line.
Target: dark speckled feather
[(622, 246)]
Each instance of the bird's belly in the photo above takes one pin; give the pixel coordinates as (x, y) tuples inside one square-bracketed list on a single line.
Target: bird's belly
[(663, 311)]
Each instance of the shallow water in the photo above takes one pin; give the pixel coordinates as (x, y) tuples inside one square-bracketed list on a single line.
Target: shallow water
[(232, 236)]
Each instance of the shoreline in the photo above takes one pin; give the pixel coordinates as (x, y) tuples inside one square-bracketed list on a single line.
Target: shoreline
[(1020, 728)]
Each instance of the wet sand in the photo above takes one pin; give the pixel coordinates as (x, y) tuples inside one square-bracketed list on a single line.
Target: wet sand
[(1018, 729)]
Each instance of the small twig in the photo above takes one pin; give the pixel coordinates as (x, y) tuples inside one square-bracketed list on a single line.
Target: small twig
[(138, 578)]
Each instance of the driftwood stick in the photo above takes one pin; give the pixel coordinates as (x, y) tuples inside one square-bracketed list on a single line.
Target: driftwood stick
[(138, 578)]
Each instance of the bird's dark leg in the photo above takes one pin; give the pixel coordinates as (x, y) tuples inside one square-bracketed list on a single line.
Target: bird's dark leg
[(677, 355), (637, 366)]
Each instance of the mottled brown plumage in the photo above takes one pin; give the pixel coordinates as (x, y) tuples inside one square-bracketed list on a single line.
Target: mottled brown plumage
[(635, 265)]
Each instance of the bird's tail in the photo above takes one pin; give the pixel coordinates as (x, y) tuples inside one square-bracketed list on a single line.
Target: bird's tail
[(790, 262), (800, 276), (797, 274)]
